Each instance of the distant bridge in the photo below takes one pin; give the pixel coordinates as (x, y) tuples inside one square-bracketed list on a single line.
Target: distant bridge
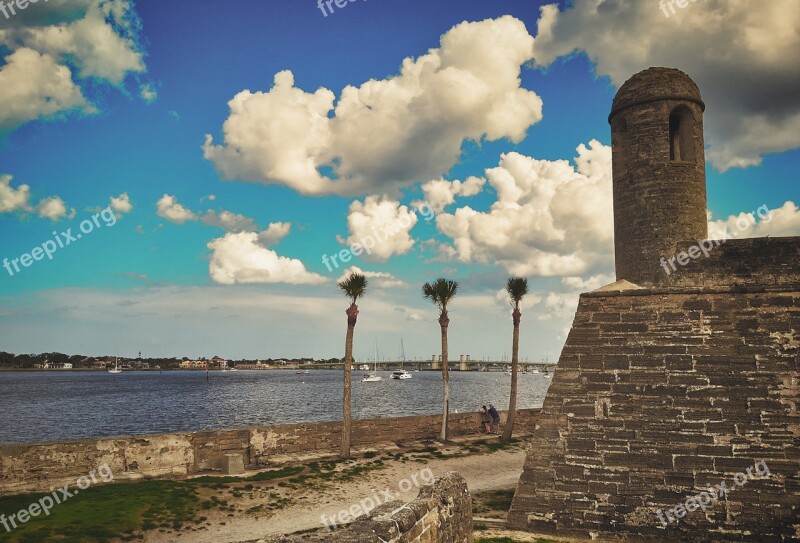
[(435, 365)]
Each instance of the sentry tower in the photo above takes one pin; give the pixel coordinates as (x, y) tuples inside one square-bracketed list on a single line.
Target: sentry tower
[(659, 171)]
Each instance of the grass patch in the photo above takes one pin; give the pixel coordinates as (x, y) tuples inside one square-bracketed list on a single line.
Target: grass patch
[(507, 540), (492, 503), (102, 513), (270, 475)]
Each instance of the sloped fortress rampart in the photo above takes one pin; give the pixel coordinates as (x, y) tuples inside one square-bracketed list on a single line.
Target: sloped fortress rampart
[(672, 383)]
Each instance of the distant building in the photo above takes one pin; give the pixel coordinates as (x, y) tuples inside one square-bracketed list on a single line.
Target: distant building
[(54, 365), (194, 364), (218, 362)]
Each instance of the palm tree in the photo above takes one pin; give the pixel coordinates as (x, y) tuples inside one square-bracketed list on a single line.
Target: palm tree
[(354, 286), (516, 288), (441, 292)]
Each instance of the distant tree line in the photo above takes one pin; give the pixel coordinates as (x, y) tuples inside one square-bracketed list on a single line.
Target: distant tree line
[(29, 361)]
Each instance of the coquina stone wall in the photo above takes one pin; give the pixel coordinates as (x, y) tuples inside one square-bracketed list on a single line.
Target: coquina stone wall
[(442, 513), (659, 395), (749, 262), (41, 466)]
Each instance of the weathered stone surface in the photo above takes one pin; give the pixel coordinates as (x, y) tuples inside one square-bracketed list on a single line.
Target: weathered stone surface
[(658, 434), (659, 194), (232, 464), (442, 513)]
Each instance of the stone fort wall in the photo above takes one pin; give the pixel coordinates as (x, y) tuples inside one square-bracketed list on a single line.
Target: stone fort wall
[(737, 262), (41, 466), (661, 394)]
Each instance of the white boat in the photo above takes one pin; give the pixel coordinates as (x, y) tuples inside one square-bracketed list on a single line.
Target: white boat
[(402, 374), (373, 377), (116, 368), (535, 370)]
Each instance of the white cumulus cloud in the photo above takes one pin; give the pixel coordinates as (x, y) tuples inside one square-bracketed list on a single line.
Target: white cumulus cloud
[(742, 54), (100, 44), (381, 226), (12, 199), (440, 193), (55, 47), (53, 208), (274, 233), (169, 208), (550, 218), (758, 223), (386, 133), (121, 203), (240, 259), (33, 85)]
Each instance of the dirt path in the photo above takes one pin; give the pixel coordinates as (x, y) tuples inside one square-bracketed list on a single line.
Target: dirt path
[(485, 471)]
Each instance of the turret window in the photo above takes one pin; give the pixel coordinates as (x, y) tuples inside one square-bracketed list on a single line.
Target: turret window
[(681, 135)]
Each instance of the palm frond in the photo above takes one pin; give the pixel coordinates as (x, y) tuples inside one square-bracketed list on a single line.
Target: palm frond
[(440, 292), (354, 286), (517, 288)]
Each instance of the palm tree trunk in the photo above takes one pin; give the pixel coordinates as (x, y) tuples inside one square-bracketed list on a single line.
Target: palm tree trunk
[(512, 402), (347, 414), (444, 322)]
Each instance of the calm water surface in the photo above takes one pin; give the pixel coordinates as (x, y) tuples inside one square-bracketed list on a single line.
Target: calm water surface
[(50, 406)]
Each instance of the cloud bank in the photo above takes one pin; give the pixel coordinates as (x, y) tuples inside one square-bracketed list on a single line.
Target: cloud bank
[(388, 133), (739, 52)]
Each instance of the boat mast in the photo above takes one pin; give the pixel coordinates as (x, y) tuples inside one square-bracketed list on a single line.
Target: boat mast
[(402, 355)]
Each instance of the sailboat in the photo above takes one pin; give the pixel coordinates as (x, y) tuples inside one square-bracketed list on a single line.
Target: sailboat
[(116, 368), (402, 373), (373, 377)]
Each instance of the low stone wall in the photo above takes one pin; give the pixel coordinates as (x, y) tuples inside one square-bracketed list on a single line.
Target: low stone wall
[(41, 466), (442, 513)]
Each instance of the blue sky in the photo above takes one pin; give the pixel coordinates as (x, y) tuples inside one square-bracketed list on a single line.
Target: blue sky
[(139, 121)]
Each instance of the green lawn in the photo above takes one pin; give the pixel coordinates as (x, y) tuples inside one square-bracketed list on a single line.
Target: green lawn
[(101, 513)]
